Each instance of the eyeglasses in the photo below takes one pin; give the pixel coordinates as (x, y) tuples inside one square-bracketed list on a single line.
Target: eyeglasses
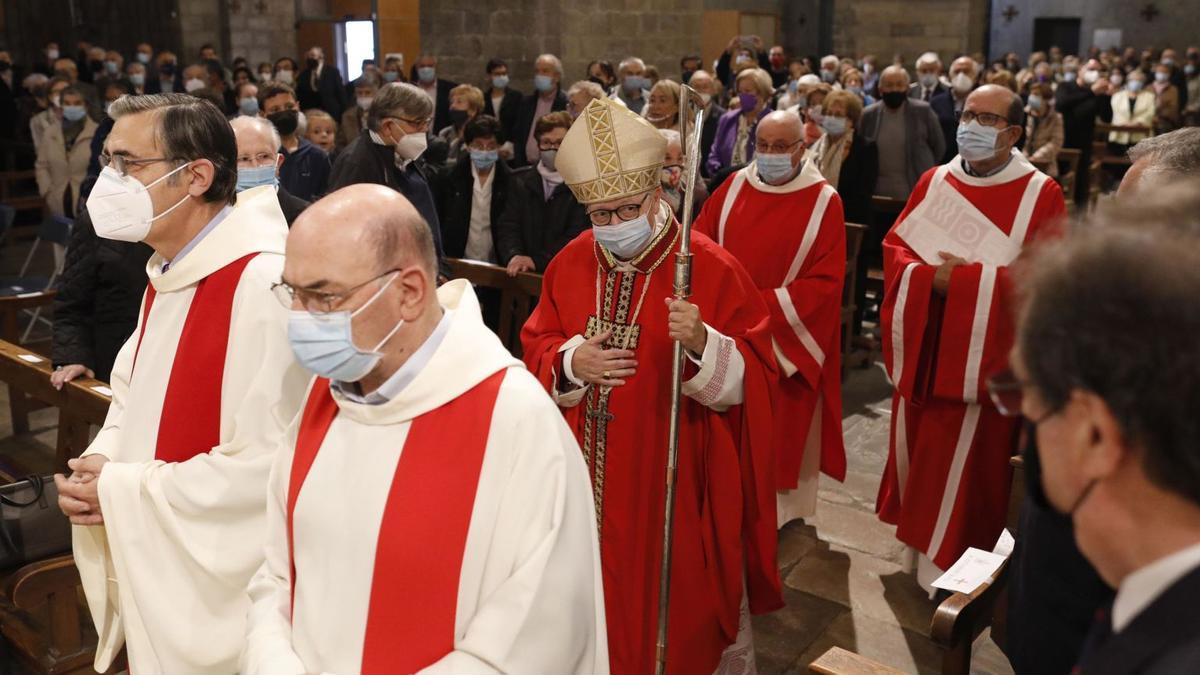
[(1007, 392), (775, 148), (985, 118), (318, 302), (419, 125), (625, 212), (548, 146), (258, 159), (121, 163)]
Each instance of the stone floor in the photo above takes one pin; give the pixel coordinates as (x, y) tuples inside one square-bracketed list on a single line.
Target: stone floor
[(842, 574)]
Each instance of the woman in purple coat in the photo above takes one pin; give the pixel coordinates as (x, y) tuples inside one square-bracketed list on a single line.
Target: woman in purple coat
[(734, 142)]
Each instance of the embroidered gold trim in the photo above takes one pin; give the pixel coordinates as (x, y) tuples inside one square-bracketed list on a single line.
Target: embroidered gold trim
[(616, 185)]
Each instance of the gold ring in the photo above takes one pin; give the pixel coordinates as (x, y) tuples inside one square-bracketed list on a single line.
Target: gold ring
[(606, 374)]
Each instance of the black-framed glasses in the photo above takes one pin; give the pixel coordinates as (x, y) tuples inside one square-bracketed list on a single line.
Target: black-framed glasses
[(318, 302), (624, 212), (122, 163), (1007, 392), (548, 146), (775, 148), (987, 119)]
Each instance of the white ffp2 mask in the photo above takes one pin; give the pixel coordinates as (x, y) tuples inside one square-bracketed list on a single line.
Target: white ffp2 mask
[(121, 207)]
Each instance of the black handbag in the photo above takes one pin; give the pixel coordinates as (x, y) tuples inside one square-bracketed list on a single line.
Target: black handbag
[(32, 527)]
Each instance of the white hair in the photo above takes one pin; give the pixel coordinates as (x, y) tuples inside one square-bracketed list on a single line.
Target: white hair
[(830, 58), (672, 136), (929, 58), (631, 61), (554, 61), (260, 124)]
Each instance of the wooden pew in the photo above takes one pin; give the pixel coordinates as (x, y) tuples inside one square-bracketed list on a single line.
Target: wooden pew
[(18, 189), (838, 661), (41, 616), (517, 295), (854, 239), (962, 617)]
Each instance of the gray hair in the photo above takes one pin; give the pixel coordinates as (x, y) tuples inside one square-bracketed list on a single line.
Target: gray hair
[(1171, 155), (896, 69), (672, 136), (189, 128), (398, 99), (588, 87), (630, 61), (554, 60), (260, 124), (928, 57)]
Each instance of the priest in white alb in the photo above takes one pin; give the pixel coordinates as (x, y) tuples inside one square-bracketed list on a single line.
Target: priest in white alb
[(430, 511), (784, 223), (947, 324), (170, 498)]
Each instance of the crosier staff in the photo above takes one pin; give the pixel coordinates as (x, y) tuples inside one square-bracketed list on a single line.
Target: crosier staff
[(689, 100)]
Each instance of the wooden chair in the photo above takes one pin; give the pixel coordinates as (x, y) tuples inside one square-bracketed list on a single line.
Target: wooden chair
[(838, 661), (517, 295), (1068, 172), (854, 239), (962, 617)]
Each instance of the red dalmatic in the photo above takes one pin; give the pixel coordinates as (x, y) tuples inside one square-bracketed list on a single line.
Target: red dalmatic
[(724, 528)]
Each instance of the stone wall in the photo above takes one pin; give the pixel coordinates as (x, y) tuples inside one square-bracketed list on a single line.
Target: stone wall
[(202, 22), (262, 35), (888, 28), (1175, 24)]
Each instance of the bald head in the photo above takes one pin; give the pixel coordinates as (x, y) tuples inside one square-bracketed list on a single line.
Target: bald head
[(997, 100), (702, 82), (332, 239), (781, 125), (893, 78)]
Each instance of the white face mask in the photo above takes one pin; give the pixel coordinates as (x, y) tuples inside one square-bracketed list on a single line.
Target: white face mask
[(411, 146), (121, 208), (193, 84)]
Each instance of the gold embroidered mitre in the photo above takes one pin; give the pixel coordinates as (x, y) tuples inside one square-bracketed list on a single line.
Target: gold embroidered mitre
[(610, 153)]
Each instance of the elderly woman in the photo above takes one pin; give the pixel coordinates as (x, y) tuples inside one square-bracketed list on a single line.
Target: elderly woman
[(662, 109), (1167, 116), (466, 103), (1132, 106), (733, 145), (672, 176), (813, 110), (846, 160), (1043, 128), (64, 153), (852, 81), (582, 93)]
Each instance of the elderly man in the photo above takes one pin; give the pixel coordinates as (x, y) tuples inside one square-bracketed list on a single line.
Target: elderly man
[(580, 94), (547, 97), (601, 340), (906, 131), (386, 151), (1113, 428), (948, 105), (633, 87), (258, 162), (470, 542), (705, 85), (438, 90), (784, 223), (320, 85), (947, 326), (169, 497), (929, 72), (1054, 590)]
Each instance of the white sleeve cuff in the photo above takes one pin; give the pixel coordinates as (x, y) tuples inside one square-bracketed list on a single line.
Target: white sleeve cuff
[(569, 399), (719, 383)]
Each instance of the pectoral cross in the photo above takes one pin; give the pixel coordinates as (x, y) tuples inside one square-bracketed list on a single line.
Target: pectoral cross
[(623, 336), (600, 414)]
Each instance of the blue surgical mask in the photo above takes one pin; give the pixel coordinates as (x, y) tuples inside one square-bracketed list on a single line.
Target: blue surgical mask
[(111, 67), (143, 57), (426, 74), (549, 159), (390, 75), (248, 105), (634, 83), (543, 83), (256, 176), (484, 159), (324, 344), (137, 79), (624, 240), (500, 81), (1036, 103), (857, 91), (834, 126), (1134, 86), (976, 142), (74, 113), (773, 168)]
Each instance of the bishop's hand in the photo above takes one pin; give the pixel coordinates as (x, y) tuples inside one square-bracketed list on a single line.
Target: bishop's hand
[(594, 364), (685, 325)]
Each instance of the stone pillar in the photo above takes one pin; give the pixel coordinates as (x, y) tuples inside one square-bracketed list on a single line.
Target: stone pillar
[(203, 22), (262, 32)]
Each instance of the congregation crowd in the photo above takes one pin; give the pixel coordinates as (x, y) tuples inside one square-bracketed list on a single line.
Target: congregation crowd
[(582, 181)]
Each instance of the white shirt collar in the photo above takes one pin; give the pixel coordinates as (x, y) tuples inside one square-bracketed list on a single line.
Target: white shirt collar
[(400, 379), (1141, 588), (486, 183)]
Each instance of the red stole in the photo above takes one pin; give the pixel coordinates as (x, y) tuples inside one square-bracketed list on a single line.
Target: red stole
[(414, 590), (190, 423)]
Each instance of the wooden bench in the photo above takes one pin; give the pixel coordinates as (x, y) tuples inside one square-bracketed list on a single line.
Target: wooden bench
[(11, 307), (41, 614), (1070, 157), (517, 295), (19, 190), (854, 238), (838, 661)]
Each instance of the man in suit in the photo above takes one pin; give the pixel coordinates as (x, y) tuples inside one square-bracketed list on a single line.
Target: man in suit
[(547, 97), (502, 101), (948, 103), (320, 85), (386, 152), (929, 72), (1118, 425), (907, 133), (706, 86), (424, 76)]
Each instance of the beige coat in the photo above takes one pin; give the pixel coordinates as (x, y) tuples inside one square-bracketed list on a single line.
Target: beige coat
[(58, 168), (1143, 114), (1043, 142)]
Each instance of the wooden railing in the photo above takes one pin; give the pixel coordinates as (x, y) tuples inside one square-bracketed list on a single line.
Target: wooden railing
[(517, 295)]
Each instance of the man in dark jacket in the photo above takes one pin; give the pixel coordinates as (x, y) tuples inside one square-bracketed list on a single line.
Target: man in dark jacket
[(542, 215), (424, 76), (472, 193), (96, 309), (386, 152), (320, 85), (547, 98), (305, 171), (259, 162), (706, 86)]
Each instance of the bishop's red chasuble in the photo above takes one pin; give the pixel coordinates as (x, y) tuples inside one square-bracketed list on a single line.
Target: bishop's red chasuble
[(946, 483), (724, 537)]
